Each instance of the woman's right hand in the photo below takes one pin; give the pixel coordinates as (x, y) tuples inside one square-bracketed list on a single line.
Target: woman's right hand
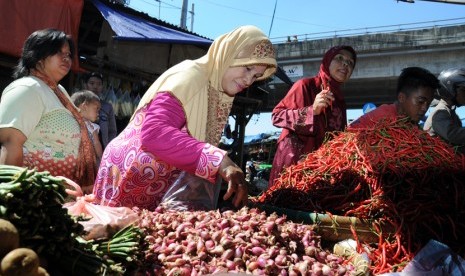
[(322, 101), (235, 178)]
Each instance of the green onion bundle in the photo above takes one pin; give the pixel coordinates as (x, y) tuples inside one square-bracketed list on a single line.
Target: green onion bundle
[(123, 246), (33, 202)]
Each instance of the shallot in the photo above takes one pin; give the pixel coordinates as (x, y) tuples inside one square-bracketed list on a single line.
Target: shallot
[(244, 241)]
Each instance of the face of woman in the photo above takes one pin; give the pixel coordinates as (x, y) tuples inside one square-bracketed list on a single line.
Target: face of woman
[(342, 66), (236, 79), (95, 85), (57, 66)]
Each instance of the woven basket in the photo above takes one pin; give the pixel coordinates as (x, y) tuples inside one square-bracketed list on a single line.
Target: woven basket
[(330, 227)]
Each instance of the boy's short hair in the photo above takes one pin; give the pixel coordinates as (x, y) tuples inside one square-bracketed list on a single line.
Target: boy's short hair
[(412, 78), (84, 96)]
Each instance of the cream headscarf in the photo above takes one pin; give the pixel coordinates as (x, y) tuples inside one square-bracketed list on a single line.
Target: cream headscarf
[(197, 83)]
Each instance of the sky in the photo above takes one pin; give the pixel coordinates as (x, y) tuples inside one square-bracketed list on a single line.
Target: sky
[(309, 19)]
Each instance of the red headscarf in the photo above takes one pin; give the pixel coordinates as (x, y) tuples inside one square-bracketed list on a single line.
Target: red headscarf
[(303, 94), (324, 75)]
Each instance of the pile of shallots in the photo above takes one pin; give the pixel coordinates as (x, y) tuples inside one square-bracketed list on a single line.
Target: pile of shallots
[(247, 241)]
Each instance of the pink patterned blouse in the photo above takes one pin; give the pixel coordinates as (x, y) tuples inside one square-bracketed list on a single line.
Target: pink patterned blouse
[(141, 163)]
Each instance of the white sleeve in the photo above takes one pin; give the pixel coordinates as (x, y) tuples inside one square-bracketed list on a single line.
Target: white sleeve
[(21, 107)]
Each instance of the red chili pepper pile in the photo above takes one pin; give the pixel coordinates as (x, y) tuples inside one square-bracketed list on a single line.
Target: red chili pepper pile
[(391, 173)]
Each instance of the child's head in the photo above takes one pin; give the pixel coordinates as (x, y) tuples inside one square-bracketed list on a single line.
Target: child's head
[(88, 103)]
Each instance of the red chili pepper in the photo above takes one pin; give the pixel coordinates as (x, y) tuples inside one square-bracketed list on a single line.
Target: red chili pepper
[(392, 172)]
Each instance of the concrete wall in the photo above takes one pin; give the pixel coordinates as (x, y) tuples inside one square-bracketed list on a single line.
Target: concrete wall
[(437, 47), (381, 58)]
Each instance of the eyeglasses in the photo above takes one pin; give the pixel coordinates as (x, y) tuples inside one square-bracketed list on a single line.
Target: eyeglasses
[(344, 61)]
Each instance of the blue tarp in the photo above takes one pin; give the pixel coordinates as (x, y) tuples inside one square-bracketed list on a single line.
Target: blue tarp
[(129, 27)]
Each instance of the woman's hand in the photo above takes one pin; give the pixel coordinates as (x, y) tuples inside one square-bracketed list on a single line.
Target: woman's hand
[(232, 174), (322, 101)]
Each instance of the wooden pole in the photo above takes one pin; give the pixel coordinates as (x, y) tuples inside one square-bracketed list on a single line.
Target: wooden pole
[(240, 148)]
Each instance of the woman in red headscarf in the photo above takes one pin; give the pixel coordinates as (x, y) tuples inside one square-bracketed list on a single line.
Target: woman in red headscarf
[(312, 107)]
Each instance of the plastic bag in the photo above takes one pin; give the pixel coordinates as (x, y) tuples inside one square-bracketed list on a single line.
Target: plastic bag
[(103, 221), (348, 249), (434, 259), (190, 192)]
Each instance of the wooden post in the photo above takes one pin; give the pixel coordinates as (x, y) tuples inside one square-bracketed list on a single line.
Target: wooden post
[(241, 121)]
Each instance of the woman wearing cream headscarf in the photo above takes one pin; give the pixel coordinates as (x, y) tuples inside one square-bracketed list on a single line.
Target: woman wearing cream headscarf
[(179, 121)]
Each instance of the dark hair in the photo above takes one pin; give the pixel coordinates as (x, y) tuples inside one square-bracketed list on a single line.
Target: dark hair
[(39, 45), (94, 75), (84, 96), (412, 78)]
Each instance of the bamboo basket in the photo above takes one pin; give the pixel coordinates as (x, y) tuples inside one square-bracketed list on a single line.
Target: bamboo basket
[(330, 227)]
